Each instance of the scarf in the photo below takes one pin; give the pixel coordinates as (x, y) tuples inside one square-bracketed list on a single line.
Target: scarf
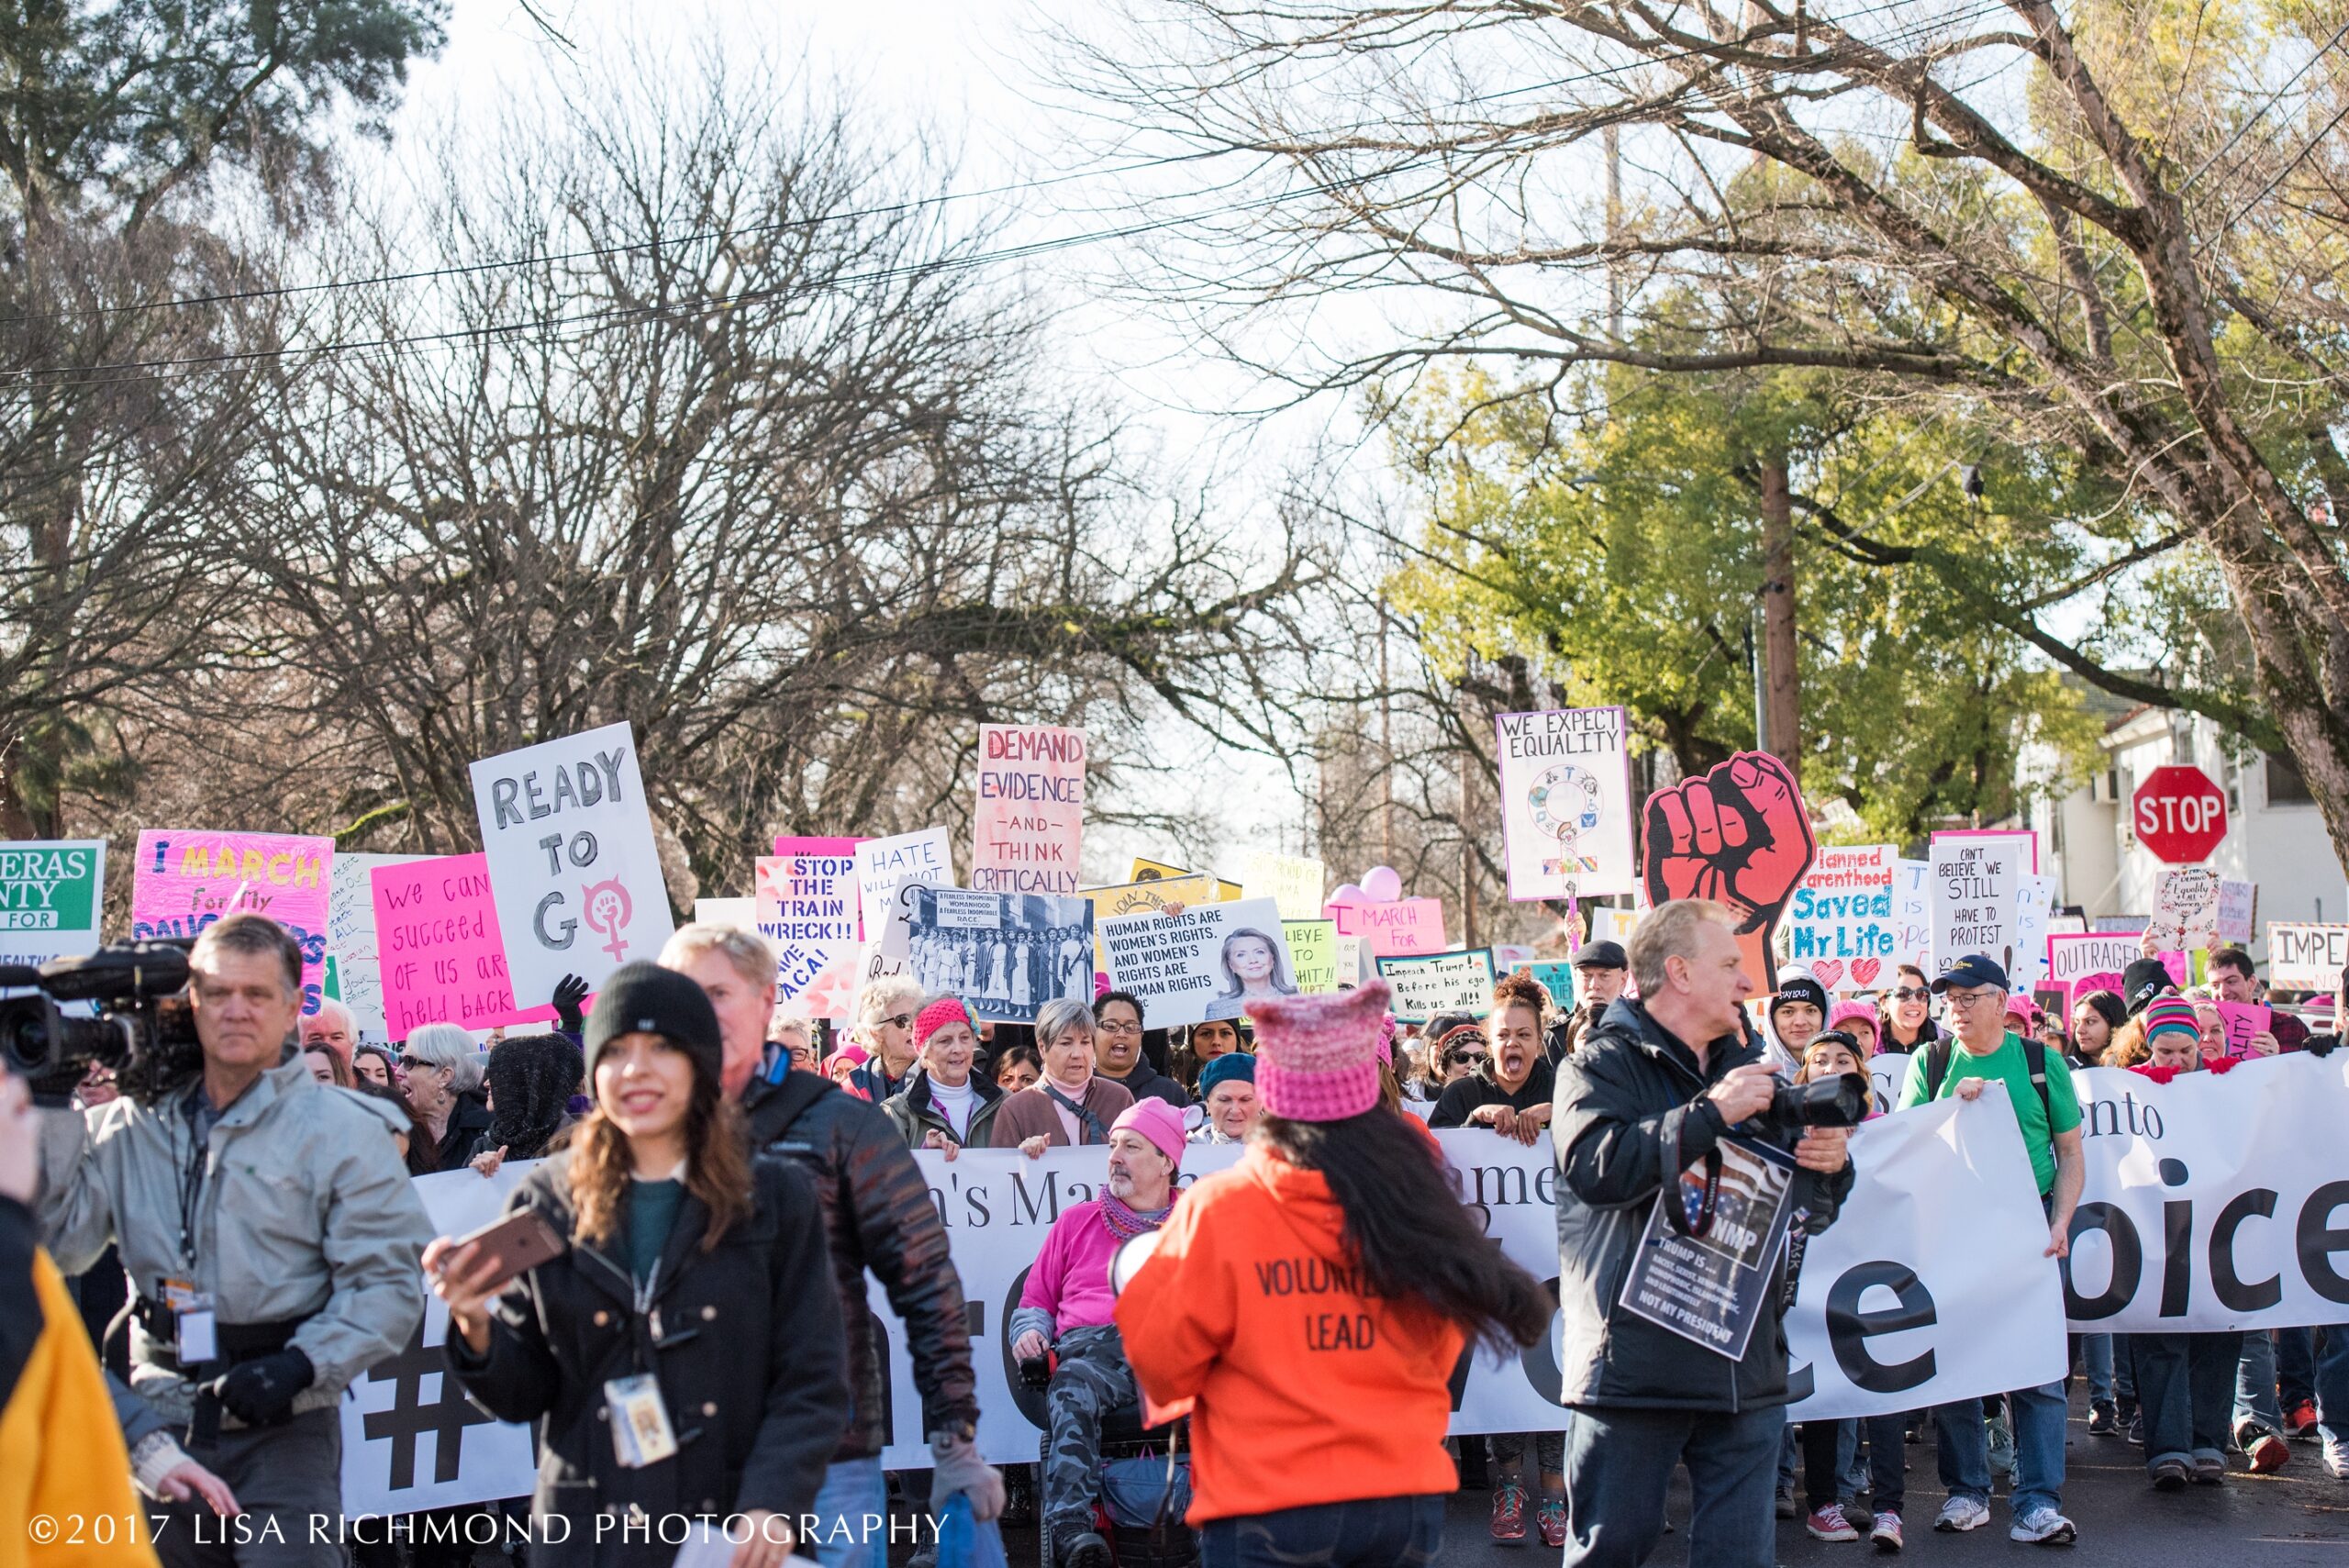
[(1126, 1222)]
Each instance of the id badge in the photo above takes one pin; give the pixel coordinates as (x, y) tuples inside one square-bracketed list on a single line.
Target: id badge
[(193, 1334), (641, 1430)]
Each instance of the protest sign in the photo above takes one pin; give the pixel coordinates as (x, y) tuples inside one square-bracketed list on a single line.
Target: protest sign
[(1426, 985), (1839, 924), (743, 914), (1912, 917), (2244, 1021), (1354, 963), (883, 865), (1029, 821), (1739, 834), (2306, 958), (439, 952), (1709, 1288), (571, 862), (1931, 1286), (1565, 802), (1207, 963), (2186, 908), (184, 881), (1406, 925), (1888, 1076), (1313, 954), (1150, 871), (52, 892), (351, 939), (411, 1440), (808, 901), (1292, 882), (1975, 880), (1558, 979), (2080, 964), (2238, 911), (1608, 924), (2034, 909), (1155, 893), (1005, 955)]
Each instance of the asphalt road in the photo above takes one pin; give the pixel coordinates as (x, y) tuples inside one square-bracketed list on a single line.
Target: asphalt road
[(2295, 1518)]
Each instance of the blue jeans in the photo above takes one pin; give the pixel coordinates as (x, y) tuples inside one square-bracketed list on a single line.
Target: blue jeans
[(2186, 1385), (853, 1516), (1619, 1461), (2295, 1365), (1962, 1448), (2255, 1384), (1828, 1449), (2332, 1388), (1372, 1532), (2096, 1360)]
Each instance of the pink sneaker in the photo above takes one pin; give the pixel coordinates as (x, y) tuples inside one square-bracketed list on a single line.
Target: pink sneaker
[(1886, 1534), (1829, 1524)]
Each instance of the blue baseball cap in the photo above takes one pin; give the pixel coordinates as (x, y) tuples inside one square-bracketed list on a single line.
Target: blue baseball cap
[(1973, 969)]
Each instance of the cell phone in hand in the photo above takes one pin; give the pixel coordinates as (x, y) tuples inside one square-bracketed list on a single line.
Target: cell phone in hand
[(521, 1240)]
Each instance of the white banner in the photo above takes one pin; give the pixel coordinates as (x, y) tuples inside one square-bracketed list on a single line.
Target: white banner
[(1565, 802), (571, 862)]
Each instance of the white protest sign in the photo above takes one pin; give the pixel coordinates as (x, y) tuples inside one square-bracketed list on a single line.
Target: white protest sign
[(411, 1440), (350, 937), (743, 914), (1292, 882), (808, 905), (2306, 958), (925, 859), (1207, 963), (2034, 909), (2238, 910), (2094, 962), (51, 894), (572, 863), (1029, 821), (1930, 1285), (1566, 803), (1975, 879), (1838, 925), (1889, 1075), (1912, 916), (2186, 908), (1426, 985)]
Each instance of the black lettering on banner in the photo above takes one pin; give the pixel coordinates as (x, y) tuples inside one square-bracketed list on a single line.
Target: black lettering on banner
[(2232, 1292), (2316, 1238), (2128, 1262), (1849, 1329), (446, 1418), (1539, 1361), (2177, 1257)]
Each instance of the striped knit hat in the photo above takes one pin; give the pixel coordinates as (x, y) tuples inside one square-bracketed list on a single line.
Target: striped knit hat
[(2169, 1013)]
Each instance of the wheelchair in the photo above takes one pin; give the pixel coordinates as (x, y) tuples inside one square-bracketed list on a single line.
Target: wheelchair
[(1123, 1435)]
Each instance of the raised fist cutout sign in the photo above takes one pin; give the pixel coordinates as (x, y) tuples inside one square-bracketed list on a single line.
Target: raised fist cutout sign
[(1739, 835)]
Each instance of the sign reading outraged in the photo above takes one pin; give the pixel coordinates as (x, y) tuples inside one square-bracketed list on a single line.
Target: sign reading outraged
[(1566, 803), (1841, 924), (1030, 817), (51, 893), (806, 908), (1207, 963), (2095, 961), (571, 861), (439, 951), (183, 882), (2306, 958), (1428, 985), (1975, 880)]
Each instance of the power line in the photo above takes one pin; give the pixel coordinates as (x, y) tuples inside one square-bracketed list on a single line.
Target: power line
[(2266, 104)]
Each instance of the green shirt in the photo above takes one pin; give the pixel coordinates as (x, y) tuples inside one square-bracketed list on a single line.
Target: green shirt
[(651, 1215), (2008, 1066)]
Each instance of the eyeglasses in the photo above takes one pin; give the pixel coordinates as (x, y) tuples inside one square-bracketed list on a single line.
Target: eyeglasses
[(1911, 994), (410, 1063), (1463, 1057), (901, 1021), (1975, 998), (1117, 1028)]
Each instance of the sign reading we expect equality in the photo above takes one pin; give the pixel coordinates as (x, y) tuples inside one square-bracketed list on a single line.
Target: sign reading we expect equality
[(572, 863)]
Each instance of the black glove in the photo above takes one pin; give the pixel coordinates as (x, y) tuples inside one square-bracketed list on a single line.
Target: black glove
[(568, 992), (259, 1392), (2321, 1044)]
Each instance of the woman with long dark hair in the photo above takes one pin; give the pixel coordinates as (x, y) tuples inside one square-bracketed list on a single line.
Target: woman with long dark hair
[(1308, 1305), (678, 1354)]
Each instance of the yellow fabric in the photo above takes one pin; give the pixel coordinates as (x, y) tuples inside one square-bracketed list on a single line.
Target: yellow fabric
[(61, 1452)]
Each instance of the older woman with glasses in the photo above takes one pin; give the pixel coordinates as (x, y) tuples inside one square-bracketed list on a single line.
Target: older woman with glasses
[(885, 1025), (442, 1075), (1071, 1103)]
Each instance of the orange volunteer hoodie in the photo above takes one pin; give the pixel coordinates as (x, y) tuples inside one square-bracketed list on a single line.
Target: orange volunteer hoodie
[(1302, 1389)]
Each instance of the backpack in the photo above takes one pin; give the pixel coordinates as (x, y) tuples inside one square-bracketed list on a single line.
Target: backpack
[(1939, 1055)]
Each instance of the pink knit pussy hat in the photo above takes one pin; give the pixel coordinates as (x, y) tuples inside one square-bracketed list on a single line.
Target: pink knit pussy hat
[(1317, 1057)]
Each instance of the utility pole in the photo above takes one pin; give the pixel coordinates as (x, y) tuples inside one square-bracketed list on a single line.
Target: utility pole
[(1781, 687), (1385, 745), (1612, 139)]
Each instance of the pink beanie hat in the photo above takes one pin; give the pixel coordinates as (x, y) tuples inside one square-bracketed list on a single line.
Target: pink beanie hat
[(1317, 1056), (1853, 1012), (1159, 1122)]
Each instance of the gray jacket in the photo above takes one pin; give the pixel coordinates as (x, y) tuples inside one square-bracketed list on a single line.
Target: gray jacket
[(305, 1211)]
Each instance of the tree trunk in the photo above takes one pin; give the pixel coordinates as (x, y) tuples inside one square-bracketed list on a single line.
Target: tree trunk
[(1781, 674)]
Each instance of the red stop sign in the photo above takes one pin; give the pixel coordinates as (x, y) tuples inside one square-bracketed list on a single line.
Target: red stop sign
[(2179, 812)]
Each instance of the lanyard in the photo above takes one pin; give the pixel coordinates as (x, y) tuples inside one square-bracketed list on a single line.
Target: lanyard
[(189, 1175)]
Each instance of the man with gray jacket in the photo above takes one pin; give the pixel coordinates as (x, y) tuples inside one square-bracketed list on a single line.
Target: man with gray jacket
[(271, 1239)]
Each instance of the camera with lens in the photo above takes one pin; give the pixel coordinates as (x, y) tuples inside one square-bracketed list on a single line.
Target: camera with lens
[(1841, 1101), (142, 1031)]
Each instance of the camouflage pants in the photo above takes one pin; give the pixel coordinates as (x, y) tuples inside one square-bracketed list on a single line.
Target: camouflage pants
[(1092, 1379)]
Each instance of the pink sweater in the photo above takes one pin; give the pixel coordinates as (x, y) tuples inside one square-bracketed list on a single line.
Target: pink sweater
[(1071, 1278)]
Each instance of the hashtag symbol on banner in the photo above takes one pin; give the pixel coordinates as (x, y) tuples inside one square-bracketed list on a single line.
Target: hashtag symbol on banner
[(446, 1417)]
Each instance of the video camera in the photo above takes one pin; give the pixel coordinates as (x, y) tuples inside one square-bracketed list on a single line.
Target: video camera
[(143, 1020), (1841, 1101)]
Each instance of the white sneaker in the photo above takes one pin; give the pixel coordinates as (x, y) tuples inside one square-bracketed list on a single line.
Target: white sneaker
[(2045, 1526), (1962, 1513), (2336, 1461)]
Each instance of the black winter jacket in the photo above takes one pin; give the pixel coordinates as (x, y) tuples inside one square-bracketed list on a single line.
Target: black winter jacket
[(1630, 1115), (879, 1216), (746, 1343)]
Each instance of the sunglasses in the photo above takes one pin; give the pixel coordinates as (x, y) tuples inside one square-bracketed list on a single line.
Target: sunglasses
[(901, 1021), (410, 1063), (1463, 1057), (1911, 994)]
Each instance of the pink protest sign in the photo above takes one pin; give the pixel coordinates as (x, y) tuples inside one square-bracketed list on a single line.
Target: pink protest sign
[(184, 881), (806, 909), (1030, 817), (438, 945), (2244, 1020), (1394, 930)]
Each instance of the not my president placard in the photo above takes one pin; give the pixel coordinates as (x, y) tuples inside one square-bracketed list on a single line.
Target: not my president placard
[(1709, 1288)]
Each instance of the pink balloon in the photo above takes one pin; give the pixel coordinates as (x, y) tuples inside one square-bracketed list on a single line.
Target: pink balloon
[(1348, 894), (1383, 884)]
